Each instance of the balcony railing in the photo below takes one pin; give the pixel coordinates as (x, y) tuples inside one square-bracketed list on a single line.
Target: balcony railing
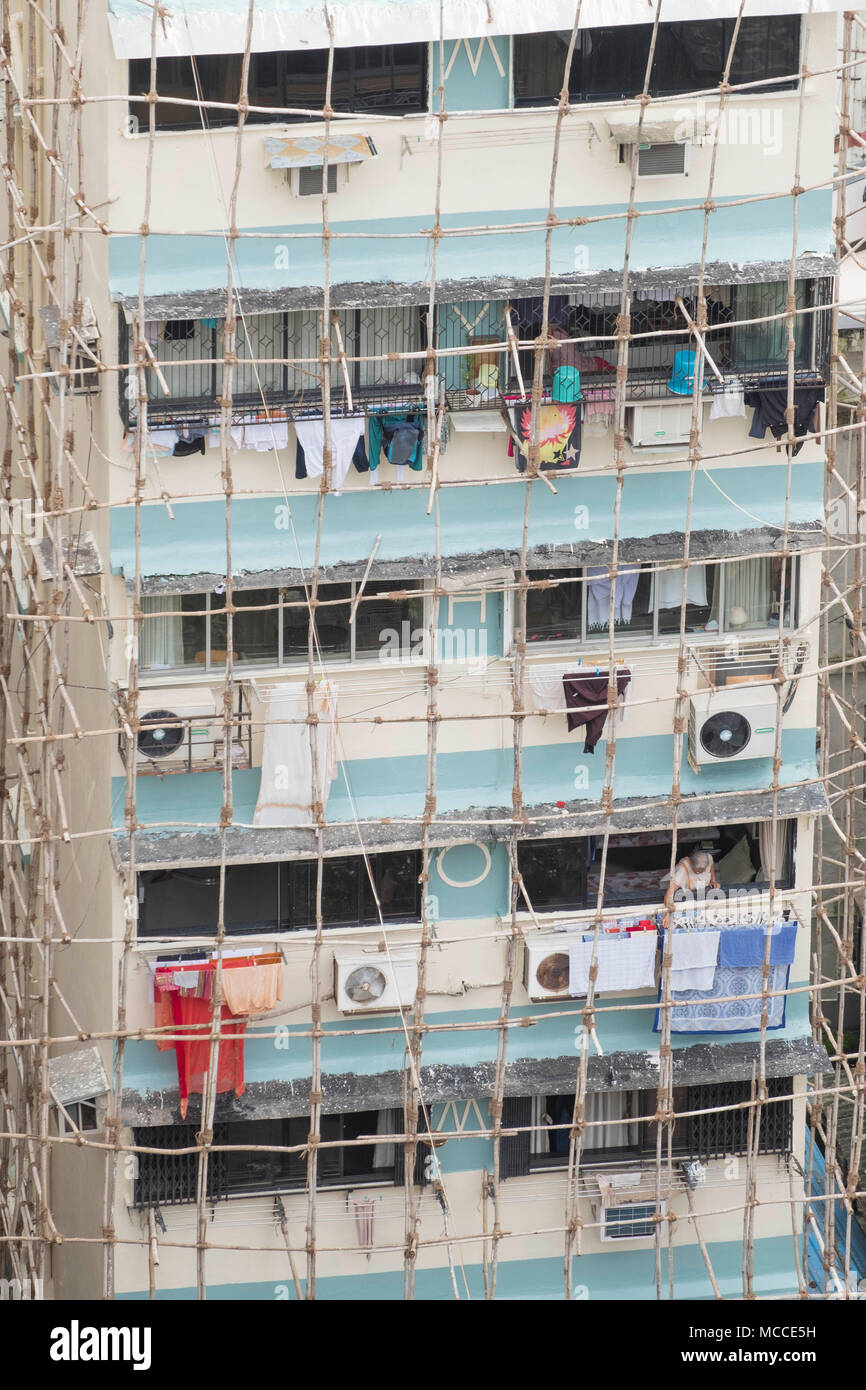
[(384, 350)]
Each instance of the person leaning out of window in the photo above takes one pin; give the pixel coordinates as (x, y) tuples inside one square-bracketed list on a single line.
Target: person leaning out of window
[(694, 874)]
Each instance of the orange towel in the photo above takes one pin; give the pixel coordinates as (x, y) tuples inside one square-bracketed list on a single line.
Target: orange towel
[(252, 989)]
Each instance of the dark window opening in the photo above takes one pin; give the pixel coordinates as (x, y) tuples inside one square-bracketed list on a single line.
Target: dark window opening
[(565, 874), (261, 897), (170, 1178), (620, 1128), (609, 64), (388, 79)]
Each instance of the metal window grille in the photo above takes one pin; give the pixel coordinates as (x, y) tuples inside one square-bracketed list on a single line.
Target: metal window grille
[(715, 1133), (169, 1179)]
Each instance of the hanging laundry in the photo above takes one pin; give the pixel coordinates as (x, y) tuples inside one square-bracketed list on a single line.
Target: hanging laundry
[(185, 1014), (345, 433), (770, 406), (359, 459), (266, 435), (252, 989), (189, 441), (598, 595), (625, 962), (286, 792), (733, 1005), (694, 956), (559, 435), (399, 436), (730, 402), (582, 692), (744, 946)]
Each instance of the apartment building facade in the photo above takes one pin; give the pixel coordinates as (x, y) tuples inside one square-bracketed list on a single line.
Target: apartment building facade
[(510, 864)]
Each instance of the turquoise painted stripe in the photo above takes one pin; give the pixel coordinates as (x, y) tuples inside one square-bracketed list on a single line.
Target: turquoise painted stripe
[(472, 519), (370, 1051), (626, 1276), (478, 777), (762, 230)]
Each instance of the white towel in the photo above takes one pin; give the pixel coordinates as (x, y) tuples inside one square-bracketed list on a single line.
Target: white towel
[(623, 963), (729, 402), (345, 433), (546, 685), (694, 956), (286, 793), (266, 435)]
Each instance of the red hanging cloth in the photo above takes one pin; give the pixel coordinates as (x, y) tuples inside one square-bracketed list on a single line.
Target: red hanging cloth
[(180, 1012)]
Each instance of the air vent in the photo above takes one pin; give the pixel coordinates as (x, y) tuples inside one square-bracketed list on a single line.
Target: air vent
[(655, 160), (309, 181)]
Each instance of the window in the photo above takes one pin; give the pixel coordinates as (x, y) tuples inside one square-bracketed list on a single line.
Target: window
[(278, 354), (280, 896), (622, 1127), (309, 181), (609, 64), (742, 596), (272, 625), (388, 79), (564, 874), (167, 1179), (82, 1116)]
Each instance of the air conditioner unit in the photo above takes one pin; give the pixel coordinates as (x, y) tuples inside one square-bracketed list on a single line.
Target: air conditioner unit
[(178, 725), (545, 965), (659, 159), (368, 982), (654, 423), (627, 1206), (731, 725)]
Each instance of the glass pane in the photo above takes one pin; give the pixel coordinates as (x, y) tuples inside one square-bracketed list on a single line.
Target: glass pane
[(752, 594), (262, 1169), (700, 598), (339, 891), (256, 634), (384, 620), (194, 625), (553, 873), (332, 624), (632, 600), (396, 877), (161, 638), (554, 615)]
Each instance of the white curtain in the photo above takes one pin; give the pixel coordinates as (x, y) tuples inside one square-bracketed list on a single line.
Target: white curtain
[(610, 1105), (765, 840), (749, 588), (161, 638), (286, 791), (389, 1122)]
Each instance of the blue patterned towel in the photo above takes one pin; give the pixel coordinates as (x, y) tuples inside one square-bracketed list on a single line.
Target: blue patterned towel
[(701, 1012)]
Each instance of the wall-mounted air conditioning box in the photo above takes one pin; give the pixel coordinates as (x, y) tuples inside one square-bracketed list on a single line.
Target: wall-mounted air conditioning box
[(373, 981)]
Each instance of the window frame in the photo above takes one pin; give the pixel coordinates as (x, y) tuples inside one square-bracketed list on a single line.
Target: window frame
[(152, 675), (637, 637), (288, 896), (579, 95), (278, 94), (784, 884)]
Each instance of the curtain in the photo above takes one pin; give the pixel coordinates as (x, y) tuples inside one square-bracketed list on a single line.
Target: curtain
[(389, 1122), (749, 588), (765, 841), (161, 638), (610, 1105)]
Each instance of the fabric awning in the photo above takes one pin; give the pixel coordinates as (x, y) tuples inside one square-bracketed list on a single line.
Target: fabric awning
[(308, 151)]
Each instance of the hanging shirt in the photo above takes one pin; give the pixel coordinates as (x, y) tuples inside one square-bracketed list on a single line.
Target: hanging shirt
[(345, 434), (399, 436), (770, 407), (729, 402), (582, 692), (559, 435), (598, 595), (266, 435)]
